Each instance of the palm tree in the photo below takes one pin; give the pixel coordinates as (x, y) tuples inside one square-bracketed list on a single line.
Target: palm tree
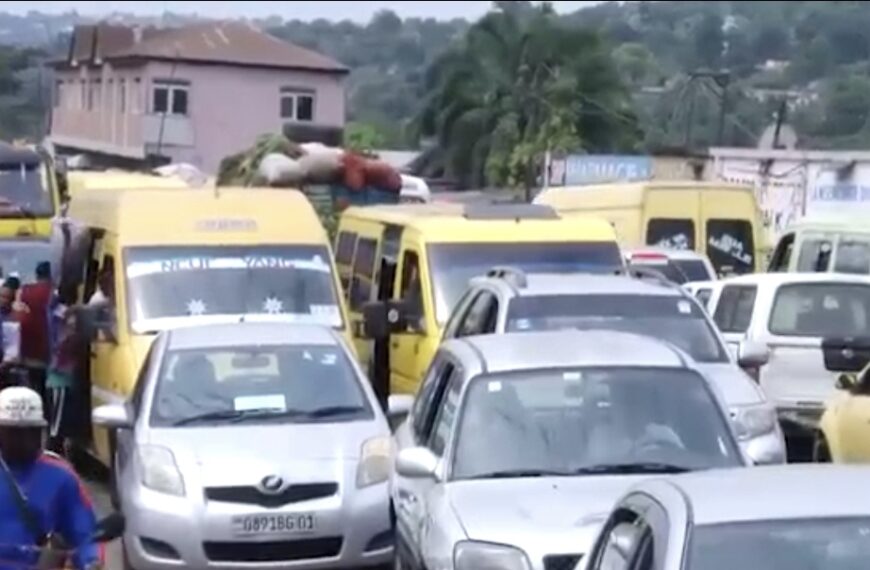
[(520, 83)]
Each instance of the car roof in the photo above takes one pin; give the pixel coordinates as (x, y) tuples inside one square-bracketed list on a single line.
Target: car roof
[(542, 284), (571, 348), (788, 278), (770, 492), (248, 334), (669, 253)]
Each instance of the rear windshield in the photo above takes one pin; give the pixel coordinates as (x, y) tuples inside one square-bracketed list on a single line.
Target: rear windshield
[(730, 246), (453, 265), (671, 233), (674, 319), (694, 269), (821, 310), (670, 270)]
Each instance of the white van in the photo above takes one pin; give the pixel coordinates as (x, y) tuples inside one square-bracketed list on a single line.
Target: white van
[(819, 246)]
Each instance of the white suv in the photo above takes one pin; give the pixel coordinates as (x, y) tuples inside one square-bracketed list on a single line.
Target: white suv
[(508, 300)]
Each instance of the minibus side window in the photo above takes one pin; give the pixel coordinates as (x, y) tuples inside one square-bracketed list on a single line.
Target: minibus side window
[(815, 255), (412, 290), (363, 272), (671, 233), (344, 256)]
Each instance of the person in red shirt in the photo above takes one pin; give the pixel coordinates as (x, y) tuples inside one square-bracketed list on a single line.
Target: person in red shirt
[(35, 338)]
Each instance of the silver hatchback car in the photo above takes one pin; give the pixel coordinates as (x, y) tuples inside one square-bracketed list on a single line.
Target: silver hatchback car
[(252, 445)]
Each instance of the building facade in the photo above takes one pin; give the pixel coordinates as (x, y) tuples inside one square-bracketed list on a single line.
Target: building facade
[(195, 94)]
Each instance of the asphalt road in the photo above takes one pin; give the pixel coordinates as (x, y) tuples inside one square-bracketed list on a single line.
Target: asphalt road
[(100, 495)]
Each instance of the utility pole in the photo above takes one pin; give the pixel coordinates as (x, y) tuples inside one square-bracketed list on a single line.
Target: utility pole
[(722, 80), (781, 114)]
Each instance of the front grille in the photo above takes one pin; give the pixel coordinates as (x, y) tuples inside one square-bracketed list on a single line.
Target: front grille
[(253, 496), (287, 550), (561, 561)]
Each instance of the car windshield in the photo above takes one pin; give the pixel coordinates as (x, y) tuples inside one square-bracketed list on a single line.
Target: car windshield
[(20, 258), (674, 319), (591, 420), (287, 282), (23, 190), (255, 384), (821, 310), (797, 544), (453, 265)]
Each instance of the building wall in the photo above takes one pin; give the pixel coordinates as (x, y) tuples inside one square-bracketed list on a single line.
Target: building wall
[(228, 107)]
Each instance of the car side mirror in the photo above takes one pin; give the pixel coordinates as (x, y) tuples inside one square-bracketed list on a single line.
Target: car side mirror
[(383, 318), (399, 406), (846, 354), (115, 416), (417, 463), (751, 354), (846, 382)]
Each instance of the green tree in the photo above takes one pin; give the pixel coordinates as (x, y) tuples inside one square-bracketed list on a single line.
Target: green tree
[(517, 87), (362, 137), (636, 63)]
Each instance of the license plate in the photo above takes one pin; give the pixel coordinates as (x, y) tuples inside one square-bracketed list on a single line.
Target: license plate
[(258, 525)]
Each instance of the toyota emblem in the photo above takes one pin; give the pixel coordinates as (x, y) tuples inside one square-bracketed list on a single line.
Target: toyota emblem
[(271, 484)]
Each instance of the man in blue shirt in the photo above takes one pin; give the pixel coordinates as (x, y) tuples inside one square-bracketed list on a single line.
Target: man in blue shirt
[(54, 495)]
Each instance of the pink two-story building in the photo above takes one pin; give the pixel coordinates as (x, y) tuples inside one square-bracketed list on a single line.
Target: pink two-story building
[(143, 97)]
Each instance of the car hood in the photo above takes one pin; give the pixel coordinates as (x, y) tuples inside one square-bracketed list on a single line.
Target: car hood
[(544, 515), (733, 384), (242, 454)]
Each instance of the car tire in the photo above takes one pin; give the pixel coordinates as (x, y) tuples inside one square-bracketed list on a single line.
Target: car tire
[(125, 560), (114, 496), (821, 451)]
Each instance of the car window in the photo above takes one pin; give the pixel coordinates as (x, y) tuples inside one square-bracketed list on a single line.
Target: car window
[(734, 310), (451, 329), (853, 256), (784, 544), (730, 246), (694, 269), (821, 310), (703, 296), (266, 383), (567, 421), (676, 319), (671, 233), (446, 415), (363, 272), (411, 286), (815, 255), (138, 394), (618, 541), (344, 247), (481, 317), (782, 256), (426, 403)]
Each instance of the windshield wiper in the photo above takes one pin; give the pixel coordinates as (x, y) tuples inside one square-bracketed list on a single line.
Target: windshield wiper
[(211, 416), (236, 416), (330, 411), (630, 468), (516, 473)]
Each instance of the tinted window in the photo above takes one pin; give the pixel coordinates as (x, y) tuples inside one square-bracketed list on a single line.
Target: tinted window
[(424, 404), (730, 246), (832, 544), (821, 309), (344, 248), (674, 319), (815, 255), (671, 234), (853, 256), (267, 383), (671, 271), (782, 255), (481, 316), (734, 310), (447, 411), (363, 270), (295, 282), (564, 421), (453, 265)]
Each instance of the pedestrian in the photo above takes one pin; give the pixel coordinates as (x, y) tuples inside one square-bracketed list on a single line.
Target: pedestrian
[(46, 515), (59, 382), (10, 337), (35, 326)]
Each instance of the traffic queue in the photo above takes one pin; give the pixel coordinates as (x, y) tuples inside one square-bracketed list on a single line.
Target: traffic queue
[(466, 386)]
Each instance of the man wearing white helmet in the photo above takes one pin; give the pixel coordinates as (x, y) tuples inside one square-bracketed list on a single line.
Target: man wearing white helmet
[(41, 497)]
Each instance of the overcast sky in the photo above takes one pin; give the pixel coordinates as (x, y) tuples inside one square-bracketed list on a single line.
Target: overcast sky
[(304, 10)]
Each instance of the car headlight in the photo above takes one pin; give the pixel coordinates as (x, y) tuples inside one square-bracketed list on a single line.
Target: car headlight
[(474, 555), (753, 421), (375, 463), (160, 471)]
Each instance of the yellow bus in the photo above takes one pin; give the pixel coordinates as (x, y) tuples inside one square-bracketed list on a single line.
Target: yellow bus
[(29, 193)]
